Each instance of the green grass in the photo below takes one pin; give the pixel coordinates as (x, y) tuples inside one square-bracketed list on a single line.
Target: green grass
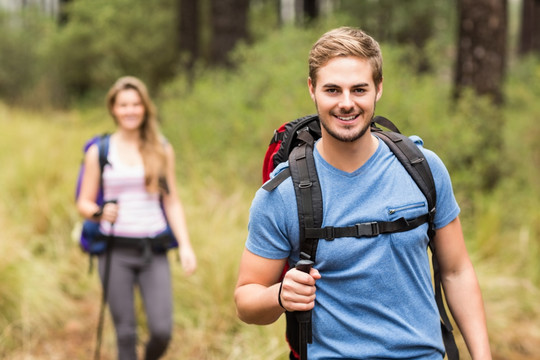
[(45, 274)]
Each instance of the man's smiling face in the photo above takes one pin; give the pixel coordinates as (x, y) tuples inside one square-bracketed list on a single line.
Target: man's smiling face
[(345, 96)]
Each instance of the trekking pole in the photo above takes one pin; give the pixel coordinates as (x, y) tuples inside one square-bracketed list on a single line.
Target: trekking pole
[(304, 317), (99, 335)]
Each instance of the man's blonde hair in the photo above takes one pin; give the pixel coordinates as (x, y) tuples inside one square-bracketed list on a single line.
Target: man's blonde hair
[(345, 41)]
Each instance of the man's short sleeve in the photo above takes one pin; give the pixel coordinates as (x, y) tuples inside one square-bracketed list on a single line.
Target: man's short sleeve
[(447, 206), (269, 224)]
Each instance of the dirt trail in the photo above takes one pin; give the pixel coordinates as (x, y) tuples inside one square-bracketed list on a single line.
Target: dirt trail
[(76, 340)]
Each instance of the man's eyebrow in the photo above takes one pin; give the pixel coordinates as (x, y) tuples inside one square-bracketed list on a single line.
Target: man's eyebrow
[(360, 85)]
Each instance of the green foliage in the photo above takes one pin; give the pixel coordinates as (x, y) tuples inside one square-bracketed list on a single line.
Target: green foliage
[(45, 65), (263, 18), (235, 113), (109, 39), (105, 39), (404, 22), (22, 48), (521, 130)]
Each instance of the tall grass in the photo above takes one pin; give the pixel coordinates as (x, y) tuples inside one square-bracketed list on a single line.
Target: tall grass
[(220, 127), (35, 222)]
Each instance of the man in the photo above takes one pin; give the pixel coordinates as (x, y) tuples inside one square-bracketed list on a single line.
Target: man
[(371, 298)]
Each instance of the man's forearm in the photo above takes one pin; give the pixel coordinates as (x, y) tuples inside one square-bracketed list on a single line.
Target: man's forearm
[(257, 304), (466, 305)]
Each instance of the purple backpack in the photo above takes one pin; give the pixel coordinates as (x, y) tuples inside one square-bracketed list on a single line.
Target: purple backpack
[(89, 241)]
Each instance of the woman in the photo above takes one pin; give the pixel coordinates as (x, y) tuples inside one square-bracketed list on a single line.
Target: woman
[(140, 196)]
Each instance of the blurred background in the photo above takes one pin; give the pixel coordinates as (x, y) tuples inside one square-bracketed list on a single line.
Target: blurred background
[(462, 74)]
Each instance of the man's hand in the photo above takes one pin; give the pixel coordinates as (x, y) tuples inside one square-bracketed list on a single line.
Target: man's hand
[(298, 290)]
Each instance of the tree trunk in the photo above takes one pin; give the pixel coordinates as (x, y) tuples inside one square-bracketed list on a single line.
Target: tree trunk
[(481, 47), (188, 32), (302, 11), (530, 27), (229, 25), (63, 13), (480, 66), (311, 10)]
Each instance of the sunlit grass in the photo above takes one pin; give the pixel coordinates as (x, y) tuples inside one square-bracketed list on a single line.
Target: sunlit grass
[(45, 275)]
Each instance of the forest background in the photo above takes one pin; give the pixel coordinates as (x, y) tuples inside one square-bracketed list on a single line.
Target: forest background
[(219, 110)]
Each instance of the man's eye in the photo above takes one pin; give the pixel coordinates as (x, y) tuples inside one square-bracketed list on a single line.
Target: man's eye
[(331, 91)]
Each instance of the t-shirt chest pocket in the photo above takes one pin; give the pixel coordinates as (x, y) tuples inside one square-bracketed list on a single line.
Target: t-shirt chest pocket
[(407, 210)]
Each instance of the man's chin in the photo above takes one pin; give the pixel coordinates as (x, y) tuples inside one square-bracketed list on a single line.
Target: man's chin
[(346, 134)]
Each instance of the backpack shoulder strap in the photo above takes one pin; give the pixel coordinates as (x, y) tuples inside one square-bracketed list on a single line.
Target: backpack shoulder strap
[(276, 180), (103, 148), (381, 120), (103, 151), (289, 134), (308, 192), (412, 158)]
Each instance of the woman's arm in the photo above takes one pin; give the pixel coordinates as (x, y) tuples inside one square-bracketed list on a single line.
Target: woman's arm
[(86, 202), (461, 289), (176, 216), (91, 181)]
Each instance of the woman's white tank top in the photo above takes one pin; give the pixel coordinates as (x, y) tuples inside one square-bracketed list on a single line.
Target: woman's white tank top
[(140, 213)]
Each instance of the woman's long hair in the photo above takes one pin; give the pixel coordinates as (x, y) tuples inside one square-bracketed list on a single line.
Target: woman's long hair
[(151, 141)]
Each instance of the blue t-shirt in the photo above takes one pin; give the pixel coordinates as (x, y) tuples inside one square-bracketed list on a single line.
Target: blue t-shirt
[(375, 299)]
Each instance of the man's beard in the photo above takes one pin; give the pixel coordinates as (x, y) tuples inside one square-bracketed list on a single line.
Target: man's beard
[(348, 137)]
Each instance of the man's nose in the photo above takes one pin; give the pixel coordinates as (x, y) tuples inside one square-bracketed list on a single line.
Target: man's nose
[(346, 102)]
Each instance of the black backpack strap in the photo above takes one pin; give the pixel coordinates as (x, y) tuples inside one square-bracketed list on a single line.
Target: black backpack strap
[(310, 214), (369, 229), (308, 193), (417, 166), (413, 160), (276, 180), (452, 351), (289, 137), (381, 120)]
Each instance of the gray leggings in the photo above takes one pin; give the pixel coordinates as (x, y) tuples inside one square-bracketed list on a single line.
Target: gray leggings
[(128, 268)]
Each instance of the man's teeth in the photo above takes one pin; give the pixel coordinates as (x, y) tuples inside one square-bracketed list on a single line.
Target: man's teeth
[(346, 118)]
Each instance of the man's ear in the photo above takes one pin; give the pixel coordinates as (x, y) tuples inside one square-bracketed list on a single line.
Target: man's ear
[(311, 88), (379, 91)]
